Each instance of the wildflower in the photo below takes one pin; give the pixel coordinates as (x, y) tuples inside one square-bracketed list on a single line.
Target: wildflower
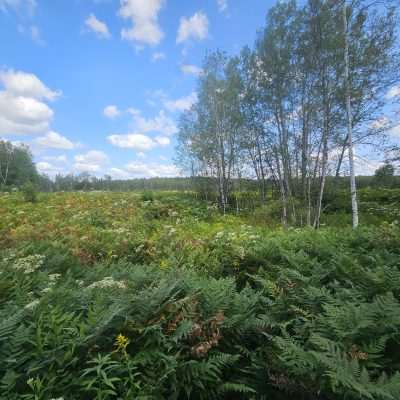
[(108, 282), (121, 343), (29, 264)]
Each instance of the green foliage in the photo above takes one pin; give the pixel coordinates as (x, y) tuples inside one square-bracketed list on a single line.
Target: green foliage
[(147, 196), (107, 296), (29, 192), (16, 165)]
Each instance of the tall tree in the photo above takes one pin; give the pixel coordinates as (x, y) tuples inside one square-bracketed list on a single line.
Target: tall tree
[(16, 165)]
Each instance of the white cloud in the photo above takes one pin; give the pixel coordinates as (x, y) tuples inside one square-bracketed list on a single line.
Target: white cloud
[(393, 92), (92, 161), (365, 166), (18, 83), (118, 173), (395, 131), (144, 17), (162, 140), (45, 167), (62, 159), (195, 27), (182, 104), (148, 170), (222, 5), (18, 5), (380, 123), (138, 142), (188, 69), (97, 26), (92, 156), (159, 124), (111, 111), (86, 167), (23, 109), (23, 115), (54, 140), (158, 56)]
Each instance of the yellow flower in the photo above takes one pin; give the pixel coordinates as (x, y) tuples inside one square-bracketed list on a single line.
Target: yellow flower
[(121, 343)]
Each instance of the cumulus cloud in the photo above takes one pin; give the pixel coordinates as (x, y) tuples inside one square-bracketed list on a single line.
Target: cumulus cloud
[(118, 173), (188, 69), (23, 103), (111, 111), (54, 140), (162, 140), (92, 161), (18, 83), (182, 104), (45, 167), (62, 159), (195, 27), (23, 115), (138, 141), (143, 14), (393, 92), (159, 124), (98, 27), (148, 170)]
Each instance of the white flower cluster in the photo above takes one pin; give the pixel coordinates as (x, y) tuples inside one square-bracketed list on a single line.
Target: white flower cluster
[(29, 264), (108, 282), (53, 278)]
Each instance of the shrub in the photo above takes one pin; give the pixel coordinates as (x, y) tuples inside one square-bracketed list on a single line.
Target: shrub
[(29, 192), (147, 196)]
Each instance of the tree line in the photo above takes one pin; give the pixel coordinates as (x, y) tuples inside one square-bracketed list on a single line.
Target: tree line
[(292, 110)]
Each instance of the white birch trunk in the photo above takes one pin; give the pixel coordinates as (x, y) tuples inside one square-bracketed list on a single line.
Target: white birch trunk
[(353, 189)]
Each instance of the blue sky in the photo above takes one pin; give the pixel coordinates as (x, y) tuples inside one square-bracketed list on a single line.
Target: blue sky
[(98, 85), (103, 81)]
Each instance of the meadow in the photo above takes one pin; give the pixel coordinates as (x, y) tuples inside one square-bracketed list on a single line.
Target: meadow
[(157, 295)]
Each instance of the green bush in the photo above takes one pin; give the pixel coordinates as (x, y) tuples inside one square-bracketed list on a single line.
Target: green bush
[(29, 192), (147, 196)]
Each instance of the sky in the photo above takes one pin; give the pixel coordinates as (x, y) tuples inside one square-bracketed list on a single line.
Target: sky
[(98, 85)]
